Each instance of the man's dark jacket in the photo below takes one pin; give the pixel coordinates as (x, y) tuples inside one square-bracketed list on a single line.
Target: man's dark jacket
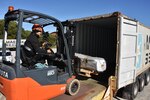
[(33, 43)]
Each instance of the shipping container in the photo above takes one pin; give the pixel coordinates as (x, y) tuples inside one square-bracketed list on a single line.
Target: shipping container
[(122, 41)]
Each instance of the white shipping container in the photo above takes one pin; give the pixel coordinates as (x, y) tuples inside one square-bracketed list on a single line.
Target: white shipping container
[(123, 42)]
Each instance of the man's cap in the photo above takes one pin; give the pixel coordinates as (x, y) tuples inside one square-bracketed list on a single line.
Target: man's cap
[(36, 26)]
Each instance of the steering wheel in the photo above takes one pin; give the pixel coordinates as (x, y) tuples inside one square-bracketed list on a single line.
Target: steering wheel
[(51, 55)]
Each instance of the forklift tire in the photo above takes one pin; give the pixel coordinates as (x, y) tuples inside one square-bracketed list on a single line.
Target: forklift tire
[(73, 87)]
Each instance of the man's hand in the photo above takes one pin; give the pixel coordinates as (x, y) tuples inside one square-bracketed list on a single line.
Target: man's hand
[(49, 51), (46, 45)]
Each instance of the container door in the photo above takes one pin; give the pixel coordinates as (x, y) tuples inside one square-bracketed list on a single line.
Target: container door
[(130, 43)]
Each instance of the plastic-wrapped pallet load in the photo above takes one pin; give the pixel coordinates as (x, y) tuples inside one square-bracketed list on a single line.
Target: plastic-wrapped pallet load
[(92, 63)]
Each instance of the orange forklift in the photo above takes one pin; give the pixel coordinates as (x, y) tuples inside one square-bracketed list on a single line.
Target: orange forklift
[(17, 82)]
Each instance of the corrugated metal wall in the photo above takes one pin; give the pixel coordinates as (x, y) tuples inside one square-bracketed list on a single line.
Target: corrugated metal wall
[(98, 40)]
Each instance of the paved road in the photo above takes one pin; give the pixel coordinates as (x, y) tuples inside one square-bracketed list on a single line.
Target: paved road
[(145, 94)]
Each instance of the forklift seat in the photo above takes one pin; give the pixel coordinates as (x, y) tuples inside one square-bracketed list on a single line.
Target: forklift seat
[(27, 61)]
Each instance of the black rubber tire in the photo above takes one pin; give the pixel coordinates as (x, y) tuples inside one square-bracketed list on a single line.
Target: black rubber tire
[(147, 77), (135, 89), (141, 83), (126, 95), (130, 91), (73, 87)]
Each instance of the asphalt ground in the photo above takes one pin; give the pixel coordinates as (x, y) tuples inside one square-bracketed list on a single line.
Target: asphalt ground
[(145, 94)]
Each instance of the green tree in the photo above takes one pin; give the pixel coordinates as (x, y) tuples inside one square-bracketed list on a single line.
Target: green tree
[(1, 28), (49, 37), (12, 30), (25, 33)]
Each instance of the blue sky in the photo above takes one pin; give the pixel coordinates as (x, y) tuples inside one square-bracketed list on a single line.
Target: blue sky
[(70, 9)]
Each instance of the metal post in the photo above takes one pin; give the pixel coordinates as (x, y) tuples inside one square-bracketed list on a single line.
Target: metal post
[(18, 41)]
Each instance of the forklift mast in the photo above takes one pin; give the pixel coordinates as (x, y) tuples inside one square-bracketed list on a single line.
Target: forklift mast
[(69, 30)]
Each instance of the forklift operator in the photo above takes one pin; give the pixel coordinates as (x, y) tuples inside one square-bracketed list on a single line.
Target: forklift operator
[(34, 44)]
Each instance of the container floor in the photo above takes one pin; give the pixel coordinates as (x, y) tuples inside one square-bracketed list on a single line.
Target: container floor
[(90, 89)]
